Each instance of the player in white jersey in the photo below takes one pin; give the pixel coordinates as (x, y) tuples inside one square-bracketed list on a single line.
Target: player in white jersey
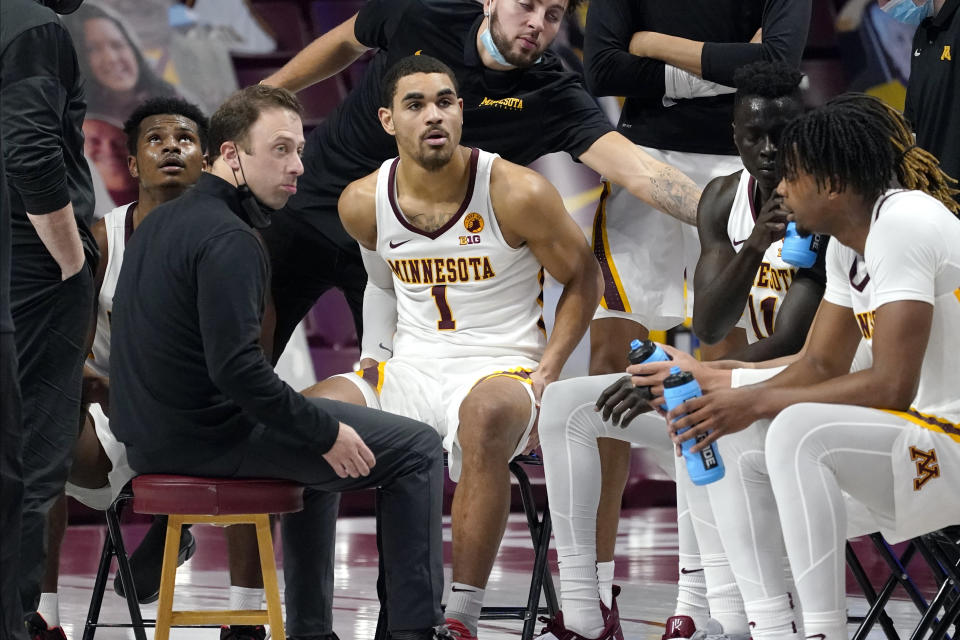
[(767, 98), (887, 434), (453, 241), (166, 141)]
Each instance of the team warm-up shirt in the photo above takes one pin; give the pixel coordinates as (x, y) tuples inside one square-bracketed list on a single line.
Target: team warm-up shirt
[(461, 290), (700, 125), (520, 114), (912, 253), (119, 226)]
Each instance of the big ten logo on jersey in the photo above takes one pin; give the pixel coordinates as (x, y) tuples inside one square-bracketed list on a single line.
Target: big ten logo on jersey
[(473, 223), (927, 466)]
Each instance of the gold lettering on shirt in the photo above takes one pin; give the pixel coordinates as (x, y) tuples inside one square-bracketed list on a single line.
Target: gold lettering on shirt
[(512, 104), (946, 53)]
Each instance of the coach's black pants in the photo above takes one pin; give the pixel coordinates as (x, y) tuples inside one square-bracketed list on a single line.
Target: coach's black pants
[(11, 491), (304, 264), (52, 318), (408, 477)]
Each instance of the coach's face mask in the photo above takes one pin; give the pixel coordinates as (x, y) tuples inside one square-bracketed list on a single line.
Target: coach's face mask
[(907, 12)]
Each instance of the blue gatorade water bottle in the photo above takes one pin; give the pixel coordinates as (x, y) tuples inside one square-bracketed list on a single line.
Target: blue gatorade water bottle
[(798, 250), (644, 351), (706, 466)]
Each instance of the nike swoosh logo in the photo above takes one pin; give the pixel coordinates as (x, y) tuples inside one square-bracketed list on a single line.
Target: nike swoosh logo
[(385, 348), (394, 245), (463, 590), (686, 571), (736, 242), (818, 635), (916, 53)]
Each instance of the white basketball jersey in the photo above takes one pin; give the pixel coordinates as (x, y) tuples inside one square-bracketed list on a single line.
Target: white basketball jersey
[(461, 290), (912, 252), (774, 275), (119, 223)]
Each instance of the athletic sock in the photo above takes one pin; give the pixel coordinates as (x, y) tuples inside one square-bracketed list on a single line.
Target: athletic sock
[(246, 598), (772, 618), (464, 605), (579, 595), (605, 582), (829, 625), (692, 590), (723, 596), (49, 609)]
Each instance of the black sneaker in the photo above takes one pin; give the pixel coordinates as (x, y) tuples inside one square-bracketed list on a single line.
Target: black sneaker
[(37, 629), (146, 562), (243, 632)]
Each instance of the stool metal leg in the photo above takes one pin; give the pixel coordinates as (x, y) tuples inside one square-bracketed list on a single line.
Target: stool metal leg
[(268, 568), (123, 568), (99, 586), (876, 601), (168, 577)]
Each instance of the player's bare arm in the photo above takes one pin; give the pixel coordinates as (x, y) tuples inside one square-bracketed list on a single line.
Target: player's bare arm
[(358, 210), (96, 388), (656, 183), (723, 276), (329, 54), (531, 211), (901, 332)]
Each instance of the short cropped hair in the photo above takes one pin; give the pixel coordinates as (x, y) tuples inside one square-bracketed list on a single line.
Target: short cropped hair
[(767, 80), (407, 67), (233, 119), (168, 105)]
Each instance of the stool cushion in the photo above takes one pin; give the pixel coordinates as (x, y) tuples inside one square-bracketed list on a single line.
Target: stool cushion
[(169, 494)]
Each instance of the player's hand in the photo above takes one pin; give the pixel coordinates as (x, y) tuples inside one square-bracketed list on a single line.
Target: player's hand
[(719, 412), (757, 37), (771, 223), (621, 402), (366, 363), (349, 455)]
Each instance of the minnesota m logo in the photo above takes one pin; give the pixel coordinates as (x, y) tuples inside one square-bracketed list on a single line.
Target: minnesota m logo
[(927, 467)]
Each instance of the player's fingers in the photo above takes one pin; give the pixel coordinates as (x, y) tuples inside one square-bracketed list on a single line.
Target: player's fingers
[(633, 413), (613, 401), (703, 444), (628, 403), (609, 391), (360, 465)]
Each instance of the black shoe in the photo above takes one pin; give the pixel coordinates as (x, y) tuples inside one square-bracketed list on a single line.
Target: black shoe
[(37, 629), (147, 560), (243, 632)]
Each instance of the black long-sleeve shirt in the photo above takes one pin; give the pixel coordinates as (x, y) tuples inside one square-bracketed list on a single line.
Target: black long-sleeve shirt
[(41, 116), (187, 372), (700, 125)]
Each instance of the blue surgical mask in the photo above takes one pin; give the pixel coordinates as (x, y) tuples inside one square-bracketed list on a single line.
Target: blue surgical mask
[(907, 12), (487, 39)]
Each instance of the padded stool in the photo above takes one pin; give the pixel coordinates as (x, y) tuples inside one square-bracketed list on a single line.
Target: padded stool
[(222, 501)]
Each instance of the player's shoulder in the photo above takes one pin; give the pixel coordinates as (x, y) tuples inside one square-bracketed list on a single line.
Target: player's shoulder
[(360, 193), (519, 182), (717, 200), (907, 215)]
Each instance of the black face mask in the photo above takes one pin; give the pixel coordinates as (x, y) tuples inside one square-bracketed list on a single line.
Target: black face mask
[(257, 214), (63, 7)]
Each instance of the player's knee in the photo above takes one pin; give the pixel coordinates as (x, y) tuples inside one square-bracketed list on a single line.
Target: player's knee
[(488, 430), (556, 407), (789, 436)]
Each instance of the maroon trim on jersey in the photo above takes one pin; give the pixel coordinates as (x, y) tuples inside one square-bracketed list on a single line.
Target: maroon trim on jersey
[(883, 201), (947, 426), (859, 286), (610, 293), (128, 222), (751, 196), (433, 235)]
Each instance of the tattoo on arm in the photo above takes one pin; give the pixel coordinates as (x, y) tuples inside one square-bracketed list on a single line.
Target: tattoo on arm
[(675, 194)]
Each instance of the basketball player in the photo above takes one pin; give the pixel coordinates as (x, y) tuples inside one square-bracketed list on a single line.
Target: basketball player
[(741, 250), (459, 238), (680, 116), (883, 434)]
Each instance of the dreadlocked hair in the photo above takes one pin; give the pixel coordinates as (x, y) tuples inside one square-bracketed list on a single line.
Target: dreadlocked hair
[(858, 141)]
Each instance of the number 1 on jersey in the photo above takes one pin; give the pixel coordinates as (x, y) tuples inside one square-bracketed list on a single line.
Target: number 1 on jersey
[(446, 321)]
